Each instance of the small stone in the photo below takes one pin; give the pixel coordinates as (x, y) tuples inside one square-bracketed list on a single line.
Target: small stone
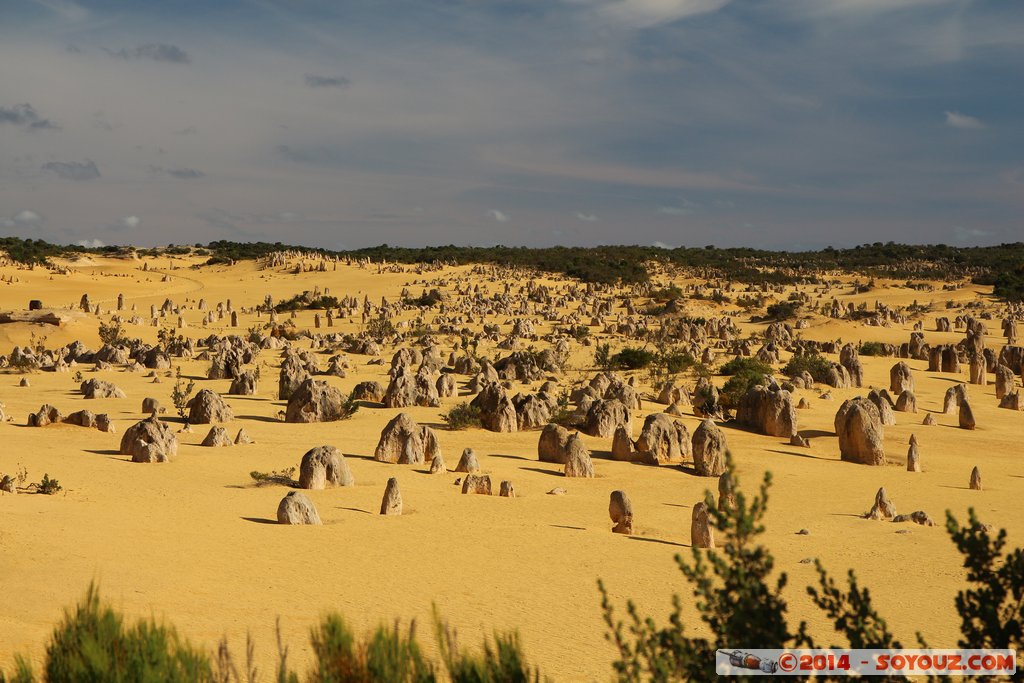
[(477, 483), (557, 491), (297, 508), (883, 507), (507, 490), (975, 479), (803, 532), (392, 501), (468, 462), (701, 533), (726, 494), (620, 509), (217, 436), (918, 517)]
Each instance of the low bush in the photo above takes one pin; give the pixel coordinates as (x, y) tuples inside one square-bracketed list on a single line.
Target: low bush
[(462, 416), (872, 348), (784, 310), (633, 358), (284, 477), (94, 644), (739, 364), (816, 365), (738, 385)]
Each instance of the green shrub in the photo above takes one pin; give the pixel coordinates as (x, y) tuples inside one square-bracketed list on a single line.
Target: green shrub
[(112, 334), (387, 656), (667, 293), (992, 609), (428, 300), (737, 594), (603, 356), (818, 366), (784, 310), (307, 301), (739, 364), (181, 394), (872, 348), (380, 327), (1009, 285), (502, 663), (48, 486), (283, 477), (738, 385), (675, 361), (462, 416), (632, 358), (94, 644)]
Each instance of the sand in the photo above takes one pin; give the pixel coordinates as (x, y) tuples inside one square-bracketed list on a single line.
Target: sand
[(194, 542)]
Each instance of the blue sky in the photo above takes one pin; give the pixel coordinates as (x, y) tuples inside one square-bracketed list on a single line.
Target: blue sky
[(766, 123)]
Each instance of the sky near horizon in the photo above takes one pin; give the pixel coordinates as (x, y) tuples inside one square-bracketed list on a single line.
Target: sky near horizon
[(789, 124)]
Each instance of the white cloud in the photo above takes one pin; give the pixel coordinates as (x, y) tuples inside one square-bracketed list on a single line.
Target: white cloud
[(662, 245), (675, 210), (91, 244), (958, 120), (499, 216), (586, 217), (963, 234), (27, 217), (66, 9), (647, 13), (131, 222)]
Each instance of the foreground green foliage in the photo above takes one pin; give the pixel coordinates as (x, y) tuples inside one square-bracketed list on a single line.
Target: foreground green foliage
[(737, 591), (739, 603), (94, 644), (739, 599)]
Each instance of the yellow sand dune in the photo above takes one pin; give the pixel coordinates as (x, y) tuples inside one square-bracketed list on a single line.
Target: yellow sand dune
[(193, 541)]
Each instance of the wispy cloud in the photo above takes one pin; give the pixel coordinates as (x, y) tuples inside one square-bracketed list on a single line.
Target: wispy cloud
[(27, 217), (647, 13), (675, 210), (157, 52), (91, 243), (969, 235), (74, 170), (24, 218), (131, 222), (586, 217), (957, 120), (65, 9), (499, 216), (180, 173), (26, 115), (314, 81)]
